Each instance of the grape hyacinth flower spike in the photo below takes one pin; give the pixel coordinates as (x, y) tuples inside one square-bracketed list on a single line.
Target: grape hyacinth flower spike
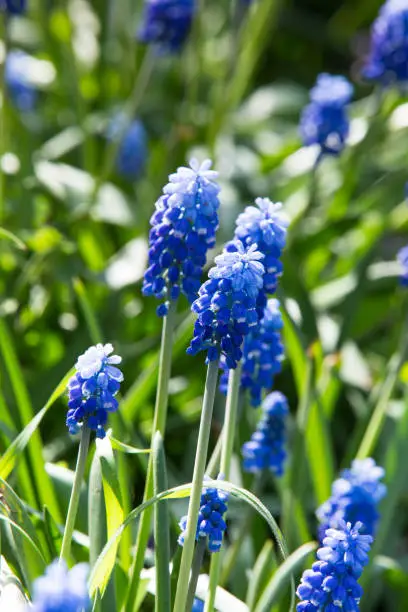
[(402, 258), (183, 229), (132, 152), (92, 390), (267, 448), (324, 121), (166, 24), (355, 497), (60, 590), (13, 7), (226, 306), (211, 524), (17, 72), (332, 584), (387, 62), (263, 355)]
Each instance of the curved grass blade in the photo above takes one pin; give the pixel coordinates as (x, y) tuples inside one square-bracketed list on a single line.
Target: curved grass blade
[(7, 235), (22, 531)]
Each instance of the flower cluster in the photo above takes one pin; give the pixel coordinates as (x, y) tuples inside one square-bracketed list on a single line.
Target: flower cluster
[(211, 524), (92, 390), (324, 121), (13, 7), (403, 261), (226, 305), (183, 229), (132, 153), (355, 497), (332, 584), (166, 23), (60, 590), (266, 449), (263, 355), (17, 78), (388, 58), (265, 226)]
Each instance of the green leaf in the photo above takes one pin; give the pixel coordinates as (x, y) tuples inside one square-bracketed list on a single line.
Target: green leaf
[(265, 564), (126, 448), (161, 528), (7, 235), (91, 320), (23, 532)]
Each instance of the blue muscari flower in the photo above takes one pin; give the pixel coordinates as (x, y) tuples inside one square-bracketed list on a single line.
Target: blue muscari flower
[(324, 121), (226, 305), (211, 524), (198, 605), (13, 7), (267, 447), (132, 153), (265, 226), (388, 58), (403, 261), (355, 497), (332, 584), (183, 229), (60, 590), (92, 390), (17, 77), (166, 24), (262, 355)]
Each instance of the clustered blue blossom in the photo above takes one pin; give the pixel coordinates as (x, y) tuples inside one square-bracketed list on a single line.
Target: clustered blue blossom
[(267, 447), (17, 77), (13, 7), (166, 24), (183, 229), (332, 584), (60, 590), (92, 390), (403, 260), (226, 306), (265, 226), (263, 355), (355, 497), (325, 121), (388, 59), (211, 524), (132, 153)]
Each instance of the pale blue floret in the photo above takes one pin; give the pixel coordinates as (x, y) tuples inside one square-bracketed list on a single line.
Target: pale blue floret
[(60, 590)]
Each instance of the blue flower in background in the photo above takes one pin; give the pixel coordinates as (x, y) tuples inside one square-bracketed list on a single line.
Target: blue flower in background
[(211, 524), (13, 7), (263, 355), (92, 390), (166, 23), (332, 584), (324, 121), (17, 77), (403, 260), (265, 226), (267, 447), (226, 305), (60, 590), (355, 497), (198, 605), (132, 153), (183, 229), (388, 59)]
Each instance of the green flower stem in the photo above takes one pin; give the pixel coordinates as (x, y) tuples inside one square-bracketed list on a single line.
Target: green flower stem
[(231, 409), (197, 485), (76, 489), (159, 424), (195, 571)]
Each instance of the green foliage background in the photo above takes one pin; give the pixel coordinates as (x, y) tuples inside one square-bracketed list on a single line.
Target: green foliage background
[(233, 94)]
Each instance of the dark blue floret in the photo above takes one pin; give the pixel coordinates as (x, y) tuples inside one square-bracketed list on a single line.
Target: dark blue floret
[(92, 390), (226, 306), (265, 226), (13, 7), (166, 23), (262, 355), (17, 77), (355, 497), (183, 229), (210, 524), (325, 121), (403, 260), (267, 448), (388, 59), (198, 605), (60, 590), (132, 153), (331, 584)]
